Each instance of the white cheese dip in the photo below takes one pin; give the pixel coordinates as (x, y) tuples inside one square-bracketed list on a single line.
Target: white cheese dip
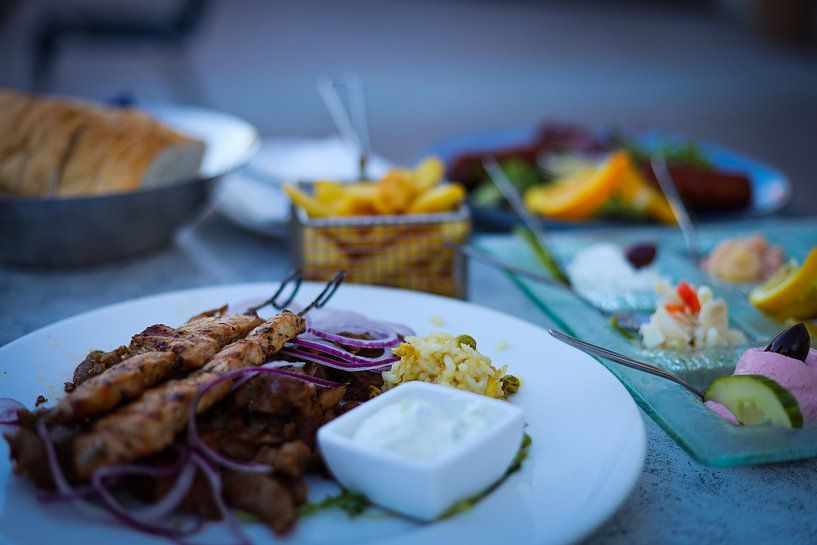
[(417, 428), (603, 267)]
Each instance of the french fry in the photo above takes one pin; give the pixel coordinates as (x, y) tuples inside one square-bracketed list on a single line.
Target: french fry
[(428, 173), (400, 191), (394, 193), (328, 192), (443, 198), (313, 207), (357, 200)]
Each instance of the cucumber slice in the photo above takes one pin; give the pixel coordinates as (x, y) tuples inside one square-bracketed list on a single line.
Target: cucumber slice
[(755, 399)]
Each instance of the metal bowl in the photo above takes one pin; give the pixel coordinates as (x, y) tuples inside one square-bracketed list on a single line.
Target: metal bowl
[(72, 231)]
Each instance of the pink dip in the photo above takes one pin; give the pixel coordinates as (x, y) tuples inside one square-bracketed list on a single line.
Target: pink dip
[(797, 377)]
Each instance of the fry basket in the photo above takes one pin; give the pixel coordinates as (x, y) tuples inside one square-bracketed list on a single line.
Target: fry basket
[(406, 251)]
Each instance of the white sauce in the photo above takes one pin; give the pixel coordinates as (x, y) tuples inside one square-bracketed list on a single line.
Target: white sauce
[(417, 428), (603, 267)]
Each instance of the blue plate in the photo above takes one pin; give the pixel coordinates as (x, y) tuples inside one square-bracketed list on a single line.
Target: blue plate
[(771, 189)]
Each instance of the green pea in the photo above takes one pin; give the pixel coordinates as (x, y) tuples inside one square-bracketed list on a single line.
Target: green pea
[(510, 384), (467, 340)]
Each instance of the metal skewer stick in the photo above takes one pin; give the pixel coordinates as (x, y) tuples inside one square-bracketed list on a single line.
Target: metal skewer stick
[(327, 293), (623, 360), (295, 277)]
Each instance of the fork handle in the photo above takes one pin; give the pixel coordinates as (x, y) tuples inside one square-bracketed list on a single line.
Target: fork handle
[(622, 359)]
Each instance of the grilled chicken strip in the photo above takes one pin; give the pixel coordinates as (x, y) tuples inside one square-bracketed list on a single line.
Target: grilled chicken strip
[(97, 362), (176, 350), (149, 424), (194, 342)]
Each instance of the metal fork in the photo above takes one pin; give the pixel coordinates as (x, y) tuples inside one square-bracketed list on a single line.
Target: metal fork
[(626, 361), (535, 229), (685, 223)]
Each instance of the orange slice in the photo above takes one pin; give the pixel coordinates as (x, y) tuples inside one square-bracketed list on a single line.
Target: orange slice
[(578, 198)]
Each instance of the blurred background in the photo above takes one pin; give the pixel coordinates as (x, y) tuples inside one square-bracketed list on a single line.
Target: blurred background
[(741, 73)]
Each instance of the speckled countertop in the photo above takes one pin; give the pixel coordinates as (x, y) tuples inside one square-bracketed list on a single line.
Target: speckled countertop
[(676, 500)]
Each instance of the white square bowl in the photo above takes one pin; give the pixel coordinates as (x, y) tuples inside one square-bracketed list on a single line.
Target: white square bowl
[(423, 488)]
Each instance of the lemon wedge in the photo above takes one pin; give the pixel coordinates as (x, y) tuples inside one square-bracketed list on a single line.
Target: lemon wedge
[(791, 292)]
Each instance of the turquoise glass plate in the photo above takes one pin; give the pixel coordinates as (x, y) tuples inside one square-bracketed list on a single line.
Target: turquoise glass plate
[(706, 437)]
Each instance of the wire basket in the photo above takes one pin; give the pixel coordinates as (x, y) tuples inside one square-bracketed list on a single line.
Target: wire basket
[(406, 251)]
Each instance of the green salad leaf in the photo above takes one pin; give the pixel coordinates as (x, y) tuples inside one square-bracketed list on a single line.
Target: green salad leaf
[(516, 465), (353, 503), (673, 153), (522, 174)]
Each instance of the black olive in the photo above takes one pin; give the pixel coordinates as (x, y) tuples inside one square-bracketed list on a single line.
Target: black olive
[(794, 342), (641, 255)]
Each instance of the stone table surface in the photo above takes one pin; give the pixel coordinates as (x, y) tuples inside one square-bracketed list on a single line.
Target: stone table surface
[(676, 500)]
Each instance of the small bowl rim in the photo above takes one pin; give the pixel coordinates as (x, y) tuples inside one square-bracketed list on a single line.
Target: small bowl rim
[(508, 413)]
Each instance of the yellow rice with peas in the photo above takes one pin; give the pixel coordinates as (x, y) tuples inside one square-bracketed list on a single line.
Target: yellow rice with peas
[(441, 358)]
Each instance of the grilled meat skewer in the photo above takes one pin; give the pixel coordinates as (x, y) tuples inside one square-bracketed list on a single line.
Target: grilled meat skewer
[(194, 342), (159, 353), (210, 323), (149, 424)]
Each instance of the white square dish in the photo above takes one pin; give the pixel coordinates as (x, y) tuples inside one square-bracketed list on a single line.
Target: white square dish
[(424, 488)]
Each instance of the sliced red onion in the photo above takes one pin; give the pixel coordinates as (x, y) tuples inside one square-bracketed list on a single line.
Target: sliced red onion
[(214, 478), (335, 364), (184, 470), (192, 428), (333, 350), (58, 477), (8, 411), (112, 507), (120, 513), (329, 323), (387, 338)]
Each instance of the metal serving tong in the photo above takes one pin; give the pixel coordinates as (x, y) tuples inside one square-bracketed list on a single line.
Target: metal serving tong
[(535, 229), (292, 283), (626, 361), (685, 223), (344, 97), (501, 180)]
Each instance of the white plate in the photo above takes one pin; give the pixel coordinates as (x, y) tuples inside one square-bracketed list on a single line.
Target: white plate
[(588, 437)]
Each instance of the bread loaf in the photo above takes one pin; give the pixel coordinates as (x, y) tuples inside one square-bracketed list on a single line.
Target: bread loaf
[(60, 147)]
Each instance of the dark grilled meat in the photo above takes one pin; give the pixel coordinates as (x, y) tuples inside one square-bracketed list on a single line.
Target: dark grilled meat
[(222, 329), (268, 419), (214, 312), (149, 424), (265, 496), (186, 348), (194, 343), (123, 382), (28, 451), (192, 349), (96, 362)]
